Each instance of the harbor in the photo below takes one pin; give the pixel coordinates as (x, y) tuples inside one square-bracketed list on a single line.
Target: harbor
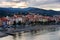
[(10, 25)]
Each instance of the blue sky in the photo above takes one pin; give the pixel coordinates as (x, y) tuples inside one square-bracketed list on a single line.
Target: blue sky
[(44, 4)]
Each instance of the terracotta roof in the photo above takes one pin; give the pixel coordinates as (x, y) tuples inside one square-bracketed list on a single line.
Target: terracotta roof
[(4, 19)]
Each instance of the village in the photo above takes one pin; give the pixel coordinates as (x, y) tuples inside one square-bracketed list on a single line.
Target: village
[(27, 23), (29, 19)]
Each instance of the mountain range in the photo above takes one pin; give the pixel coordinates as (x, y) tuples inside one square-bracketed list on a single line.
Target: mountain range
[(11, 11)]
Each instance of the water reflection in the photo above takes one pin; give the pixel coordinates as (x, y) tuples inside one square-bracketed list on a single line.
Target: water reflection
[(14, 37), (27, 36), (38, 36), (34, 35), (43, 34)]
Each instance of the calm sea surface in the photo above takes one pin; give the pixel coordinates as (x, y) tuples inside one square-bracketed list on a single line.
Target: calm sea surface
[(39, 35)]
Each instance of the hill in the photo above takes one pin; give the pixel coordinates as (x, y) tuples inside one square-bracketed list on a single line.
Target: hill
[(11, 11)]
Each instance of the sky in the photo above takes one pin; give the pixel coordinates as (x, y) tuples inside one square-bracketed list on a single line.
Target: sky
[(43, 4)]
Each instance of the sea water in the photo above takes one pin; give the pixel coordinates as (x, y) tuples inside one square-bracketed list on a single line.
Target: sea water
[(39, 35)]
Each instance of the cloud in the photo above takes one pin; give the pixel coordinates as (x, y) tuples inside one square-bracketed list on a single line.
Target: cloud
[(13, 4), (46, 4), (31, 3)]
